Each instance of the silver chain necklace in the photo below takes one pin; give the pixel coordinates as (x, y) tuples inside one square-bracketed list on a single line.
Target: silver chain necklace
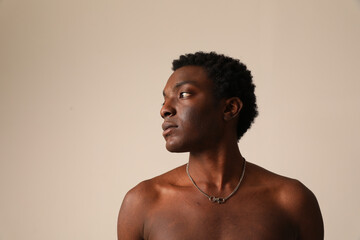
[(213, 199)]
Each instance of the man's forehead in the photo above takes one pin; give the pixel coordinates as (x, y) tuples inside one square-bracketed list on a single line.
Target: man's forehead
[(193, 75), (189, 72)]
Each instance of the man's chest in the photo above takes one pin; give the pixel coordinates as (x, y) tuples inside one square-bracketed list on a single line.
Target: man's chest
[(252, 220)]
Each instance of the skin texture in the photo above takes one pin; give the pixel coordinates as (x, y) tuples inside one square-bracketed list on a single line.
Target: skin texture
[(266, 206)]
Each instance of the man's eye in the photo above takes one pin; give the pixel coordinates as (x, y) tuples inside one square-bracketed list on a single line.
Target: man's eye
[(184, 94)]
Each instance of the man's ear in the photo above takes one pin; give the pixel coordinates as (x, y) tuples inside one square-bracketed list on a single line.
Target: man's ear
[(232, 108)]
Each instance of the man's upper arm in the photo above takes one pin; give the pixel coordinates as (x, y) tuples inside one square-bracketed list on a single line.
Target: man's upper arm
[(305, 212), (131, 216)]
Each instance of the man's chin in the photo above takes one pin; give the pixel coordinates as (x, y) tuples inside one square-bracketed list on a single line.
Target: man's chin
[(175, 148)]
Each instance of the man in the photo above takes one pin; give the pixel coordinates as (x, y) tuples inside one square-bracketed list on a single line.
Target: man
[(209, 105)]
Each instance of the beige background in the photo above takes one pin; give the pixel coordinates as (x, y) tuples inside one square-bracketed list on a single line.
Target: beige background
[(80, 94)]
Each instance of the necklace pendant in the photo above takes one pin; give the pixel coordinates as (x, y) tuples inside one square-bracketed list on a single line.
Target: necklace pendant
[(218, 200), (213, 199)]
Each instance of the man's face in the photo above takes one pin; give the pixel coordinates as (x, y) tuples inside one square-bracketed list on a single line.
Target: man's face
[(192, 115)]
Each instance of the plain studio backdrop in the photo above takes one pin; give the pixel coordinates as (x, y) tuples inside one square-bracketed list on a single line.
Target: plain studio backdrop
[(81, 89)]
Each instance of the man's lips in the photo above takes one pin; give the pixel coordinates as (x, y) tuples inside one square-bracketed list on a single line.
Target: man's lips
[(168, 127)]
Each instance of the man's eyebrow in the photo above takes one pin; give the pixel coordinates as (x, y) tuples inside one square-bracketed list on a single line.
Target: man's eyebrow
[(179, 84)]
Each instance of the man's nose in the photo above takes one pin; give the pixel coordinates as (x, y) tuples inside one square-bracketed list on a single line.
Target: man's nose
[(167, 109)]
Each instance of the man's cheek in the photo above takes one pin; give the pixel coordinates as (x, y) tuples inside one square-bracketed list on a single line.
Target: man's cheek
[(191, 119)]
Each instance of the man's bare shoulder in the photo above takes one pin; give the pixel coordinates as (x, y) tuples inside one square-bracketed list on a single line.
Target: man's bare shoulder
[(287, 190), (292, 196), (150, 190), (140, 200)]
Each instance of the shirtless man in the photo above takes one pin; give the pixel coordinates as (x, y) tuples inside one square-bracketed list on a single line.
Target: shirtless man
[(209, 105)]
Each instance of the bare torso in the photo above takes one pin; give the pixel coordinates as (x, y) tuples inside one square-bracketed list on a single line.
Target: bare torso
[(267, 206)]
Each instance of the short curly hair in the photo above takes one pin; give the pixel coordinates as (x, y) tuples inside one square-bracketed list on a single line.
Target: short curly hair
[(231, 78)]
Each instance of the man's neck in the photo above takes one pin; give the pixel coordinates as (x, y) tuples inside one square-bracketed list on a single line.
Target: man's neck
[(219, 167)]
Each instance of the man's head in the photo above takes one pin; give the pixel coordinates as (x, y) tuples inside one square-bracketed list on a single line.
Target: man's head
[(231, 79)]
